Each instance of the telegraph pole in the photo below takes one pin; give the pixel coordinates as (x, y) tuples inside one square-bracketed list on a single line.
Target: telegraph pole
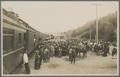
[(96, 23), (97, 32), (90, 33)]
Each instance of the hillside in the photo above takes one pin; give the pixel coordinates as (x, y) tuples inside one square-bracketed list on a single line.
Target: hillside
[(107, 29)]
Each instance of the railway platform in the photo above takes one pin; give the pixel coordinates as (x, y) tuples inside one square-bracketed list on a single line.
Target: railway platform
[(91, 65)]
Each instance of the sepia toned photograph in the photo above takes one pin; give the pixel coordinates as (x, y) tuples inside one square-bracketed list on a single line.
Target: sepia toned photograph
[(60, 38)]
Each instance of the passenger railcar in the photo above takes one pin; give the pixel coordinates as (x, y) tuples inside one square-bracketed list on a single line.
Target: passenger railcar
[(17, 35)]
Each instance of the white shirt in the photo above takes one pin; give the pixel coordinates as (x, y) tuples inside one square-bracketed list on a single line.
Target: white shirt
[(46, 50), (111, 49), (70, 51), (25, 58), (34, 39)]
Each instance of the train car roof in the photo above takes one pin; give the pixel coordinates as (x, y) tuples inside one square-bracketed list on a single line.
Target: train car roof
[(11, 14), (15, 17)]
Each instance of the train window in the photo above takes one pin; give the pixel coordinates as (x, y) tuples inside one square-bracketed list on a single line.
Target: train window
[(8, 40), (7, 43), (24, 36), (20, 38)]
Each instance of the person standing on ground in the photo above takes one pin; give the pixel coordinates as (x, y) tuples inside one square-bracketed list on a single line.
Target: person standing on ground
[(70, 54), (111, 48), (41, 55), (114, 51), (37, 60), (73, 55), (26, 64)]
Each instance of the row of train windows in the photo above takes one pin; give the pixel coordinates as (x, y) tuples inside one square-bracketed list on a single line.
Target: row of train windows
[(9, 38), (8, 42)]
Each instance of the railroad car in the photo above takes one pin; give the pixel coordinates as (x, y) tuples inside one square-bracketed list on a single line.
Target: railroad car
[(17, 34)]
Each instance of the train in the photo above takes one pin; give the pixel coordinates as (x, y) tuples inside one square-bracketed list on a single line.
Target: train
[(17, 35)]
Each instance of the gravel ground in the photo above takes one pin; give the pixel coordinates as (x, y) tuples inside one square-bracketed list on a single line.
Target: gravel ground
[(90, 65)]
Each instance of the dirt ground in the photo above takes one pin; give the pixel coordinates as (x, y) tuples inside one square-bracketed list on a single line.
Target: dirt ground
[(91, 65)]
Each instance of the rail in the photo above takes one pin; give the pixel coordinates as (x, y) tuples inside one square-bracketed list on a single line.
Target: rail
[(12, 52)]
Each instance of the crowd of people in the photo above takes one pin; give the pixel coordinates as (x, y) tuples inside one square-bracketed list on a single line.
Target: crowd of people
[(46, 49), (71, 48)]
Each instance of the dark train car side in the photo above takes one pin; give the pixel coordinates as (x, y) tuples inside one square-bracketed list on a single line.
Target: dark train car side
[(13, 42), (32, 39), (17, 35)]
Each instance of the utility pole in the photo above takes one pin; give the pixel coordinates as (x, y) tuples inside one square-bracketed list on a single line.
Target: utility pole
[(97, 32), (96, 23), (90, 33)]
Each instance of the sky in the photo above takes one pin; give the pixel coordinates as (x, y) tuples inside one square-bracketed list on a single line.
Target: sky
[(59, 16)]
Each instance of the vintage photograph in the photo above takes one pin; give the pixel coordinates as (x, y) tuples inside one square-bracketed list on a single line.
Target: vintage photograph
[(60, 38)]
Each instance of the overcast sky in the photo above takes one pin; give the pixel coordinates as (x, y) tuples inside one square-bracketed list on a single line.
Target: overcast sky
[(59, 16)]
